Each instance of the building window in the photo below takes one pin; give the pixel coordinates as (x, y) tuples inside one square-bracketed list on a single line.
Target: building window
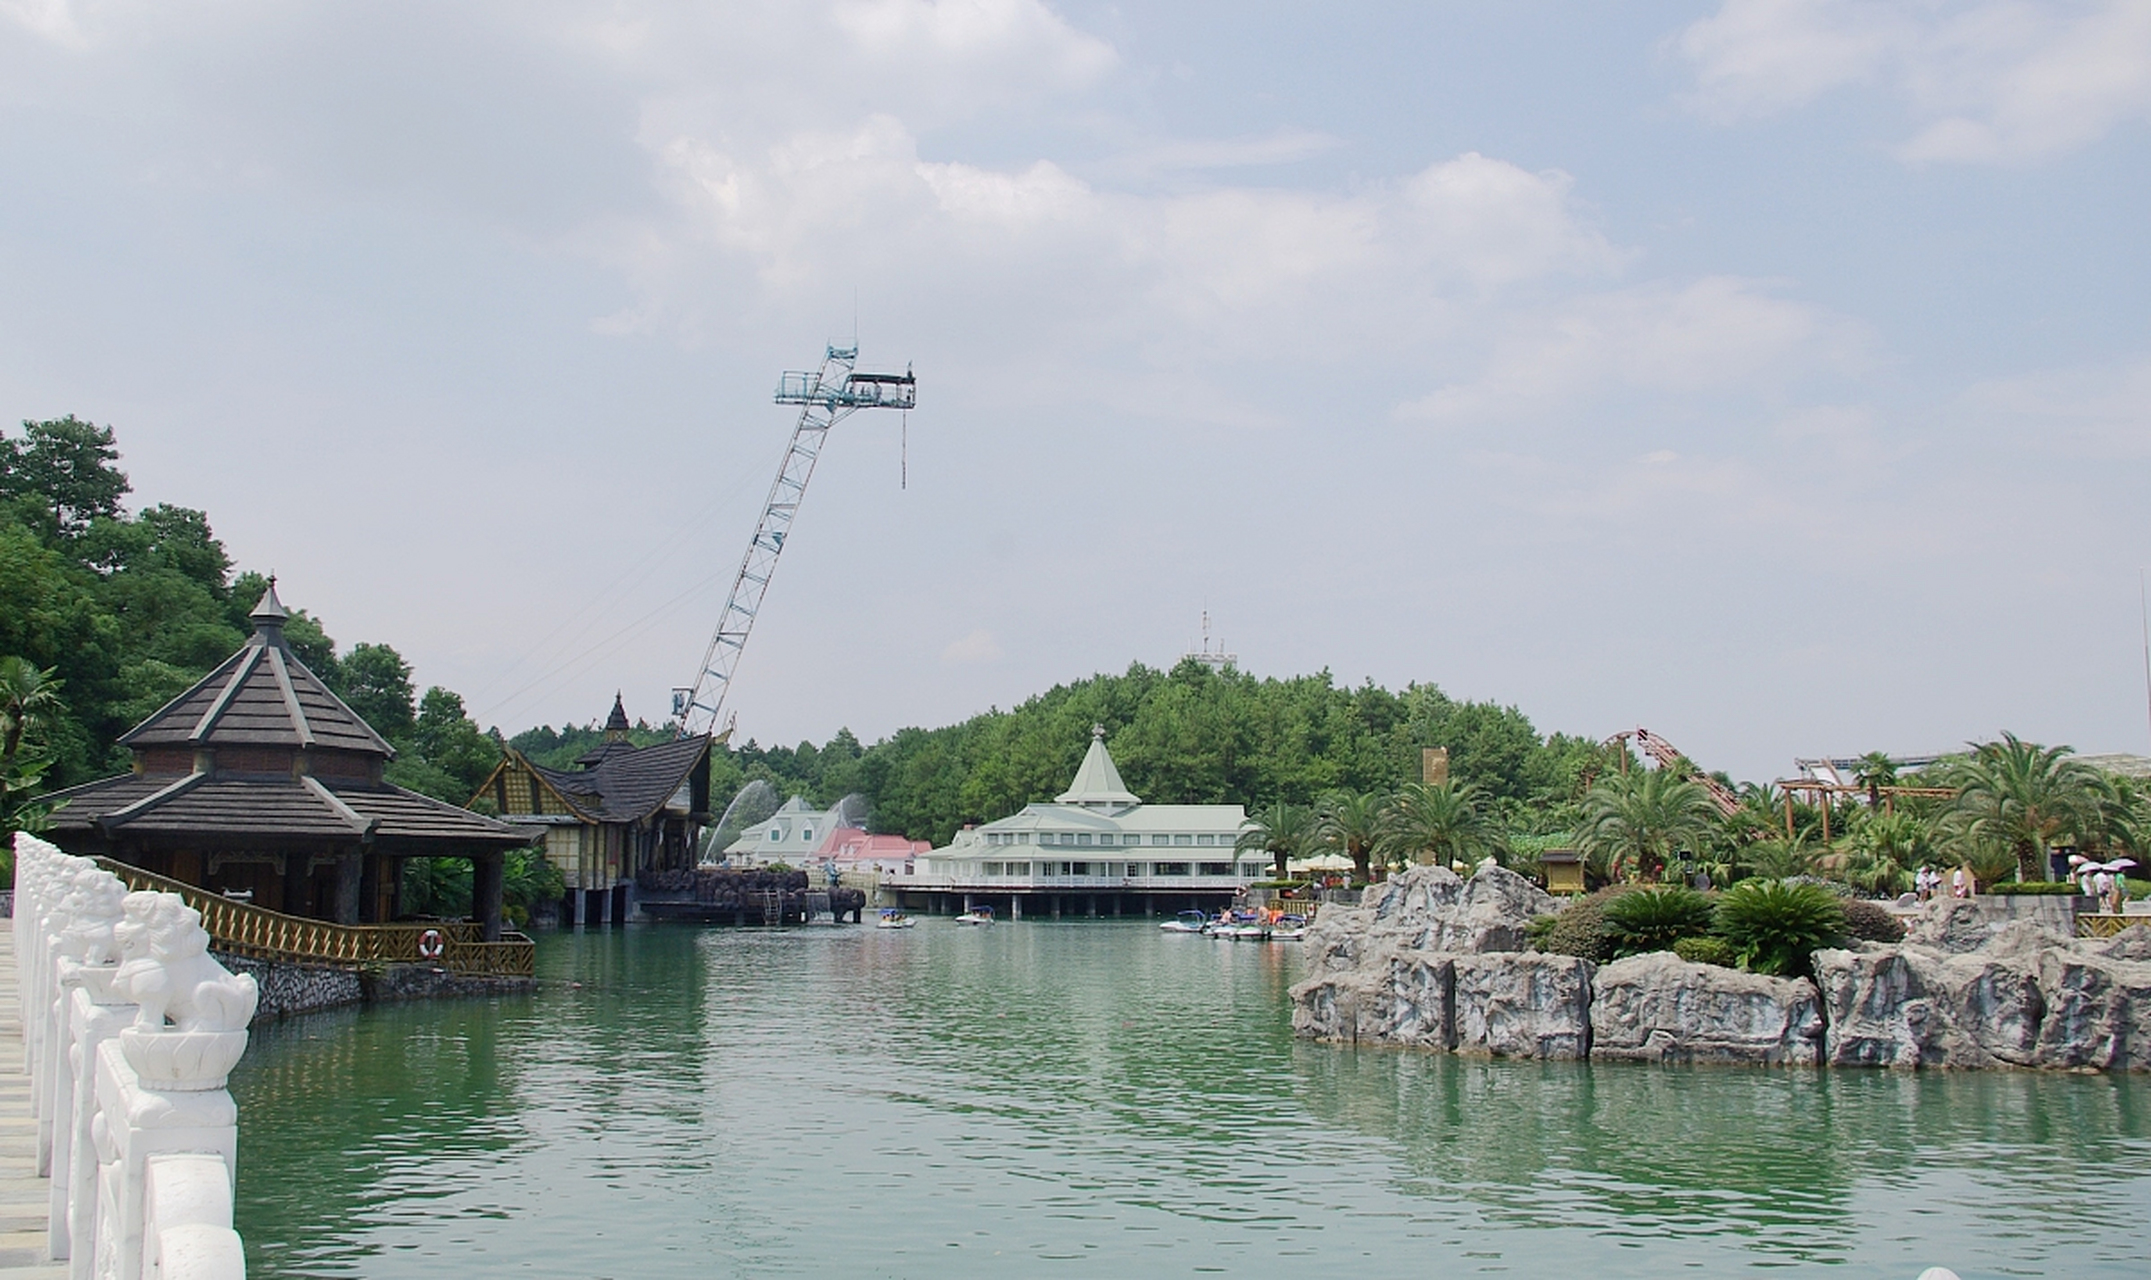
[(1084, 838), (1170, 869), (1019, 868), (806, 833), (1160, 838), (1217, 868), (1079, 868), (1131, 839), (1135, 870), (1183, 840), (993, 868), (1251, 870), (1206, 839)]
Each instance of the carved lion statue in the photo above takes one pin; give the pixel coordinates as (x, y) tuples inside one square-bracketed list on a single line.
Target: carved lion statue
[(93, 907), (177, 979)]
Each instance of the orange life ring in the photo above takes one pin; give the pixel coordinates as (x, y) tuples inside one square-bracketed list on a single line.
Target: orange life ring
[(431, 945)]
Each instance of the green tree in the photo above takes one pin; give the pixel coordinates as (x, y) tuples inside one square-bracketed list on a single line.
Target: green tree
[(1351, 822), (1635, 823), (1439, 822), (1875, 771), (29, 703), (445, 755), (377, 685), (1283, 831), (2022, 797), (62, 470)]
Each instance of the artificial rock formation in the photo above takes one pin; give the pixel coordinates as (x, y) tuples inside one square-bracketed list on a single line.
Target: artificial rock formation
[(1661, 1008), (1434, 961)]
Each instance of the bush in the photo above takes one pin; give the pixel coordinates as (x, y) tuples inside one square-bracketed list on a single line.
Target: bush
[(1715, 951), (1580, 928), (1871, 921), (1774, 927), (1654, 918), (2035, 888)]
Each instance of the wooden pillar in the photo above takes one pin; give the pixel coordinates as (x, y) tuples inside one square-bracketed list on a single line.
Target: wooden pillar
[(486, 879), (1788, 813), (1015, 906), (369, 911), (298, 884), (348, 871)]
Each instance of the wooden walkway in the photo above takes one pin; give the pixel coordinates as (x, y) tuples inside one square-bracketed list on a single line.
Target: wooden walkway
[(23, 1195)]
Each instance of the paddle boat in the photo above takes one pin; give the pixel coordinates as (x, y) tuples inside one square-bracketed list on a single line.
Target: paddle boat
[(976, 915), (892, 918), (1289, 929), (1187, 922)]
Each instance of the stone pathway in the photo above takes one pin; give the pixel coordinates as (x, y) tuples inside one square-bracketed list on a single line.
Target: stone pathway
[(22, 1193)]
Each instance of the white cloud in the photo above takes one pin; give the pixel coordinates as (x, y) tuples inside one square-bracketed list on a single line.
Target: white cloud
[(977, 647), (52, 19), (2100, 412), (1986, 81), (1717, 333)]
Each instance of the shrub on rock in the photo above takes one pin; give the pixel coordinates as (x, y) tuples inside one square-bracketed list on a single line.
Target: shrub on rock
[(1871, 921), (1707, 950), (1654, 918), (1775, 926), (1580, 928)]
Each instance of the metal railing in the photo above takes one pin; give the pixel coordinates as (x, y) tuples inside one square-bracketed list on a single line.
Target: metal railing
[(242, 928)]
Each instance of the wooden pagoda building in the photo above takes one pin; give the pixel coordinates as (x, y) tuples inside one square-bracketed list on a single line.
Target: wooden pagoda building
[(260, 781), (623, 815)]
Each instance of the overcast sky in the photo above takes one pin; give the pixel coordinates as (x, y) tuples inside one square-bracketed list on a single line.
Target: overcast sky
[(1774, 374)]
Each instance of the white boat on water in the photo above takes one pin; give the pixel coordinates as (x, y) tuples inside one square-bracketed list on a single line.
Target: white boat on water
[(891, 918), (976, 915), (1187, 922), (1289, 929)]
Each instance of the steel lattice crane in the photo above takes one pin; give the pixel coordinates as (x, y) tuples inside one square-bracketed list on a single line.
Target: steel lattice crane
[(825, 398)]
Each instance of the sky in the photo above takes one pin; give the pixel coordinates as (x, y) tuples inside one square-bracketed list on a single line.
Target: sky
[(1772, 374)]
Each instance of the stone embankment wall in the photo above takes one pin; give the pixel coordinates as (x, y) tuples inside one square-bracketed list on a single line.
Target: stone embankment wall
[(288, 989), (1435, 961)]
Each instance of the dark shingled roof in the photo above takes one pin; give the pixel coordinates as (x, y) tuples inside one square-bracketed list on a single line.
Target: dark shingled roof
[(626, 783), (312, 808), (261, 696)]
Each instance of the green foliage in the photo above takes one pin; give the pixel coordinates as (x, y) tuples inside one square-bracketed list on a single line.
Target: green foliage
[(1775, 926), (1778, 858), (2024, 798), (1654, 918), (1283, 831), (1871, 921), (59, 475), (1350, 823), (1707, 949), (1438, 822), (2035, 888), (1579, 929), (376, 683), (29, 701), (1634, 823)]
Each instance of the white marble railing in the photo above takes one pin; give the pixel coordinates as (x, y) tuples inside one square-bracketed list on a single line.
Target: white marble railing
[(130, 1028)]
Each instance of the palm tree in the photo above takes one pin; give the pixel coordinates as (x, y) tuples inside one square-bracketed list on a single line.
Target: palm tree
[(1875, 771), (1637, 821), (1283, 831), (2021, 796), (1351, 822), (1438, 822), (29, 701)]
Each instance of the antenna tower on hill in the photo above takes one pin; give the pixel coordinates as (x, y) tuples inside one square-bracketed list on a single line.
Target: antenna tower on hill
[(1208, 656)]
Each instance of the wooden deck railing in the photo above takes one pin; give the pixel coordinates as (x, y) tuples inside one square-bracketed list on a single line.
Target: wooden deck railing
[(257, 932)]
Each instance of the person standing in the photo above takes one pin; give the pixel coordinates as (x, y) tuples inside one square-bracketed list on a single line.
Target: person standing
[(1960, 884)]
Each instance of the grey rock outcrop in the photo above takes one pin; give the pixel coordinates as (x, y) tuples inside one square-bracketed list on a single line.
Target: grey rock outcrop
[(1408, 1000), (1661, 1008), (2098, 1010), (1521, 1005), (1434, 909), (1909, 1006)]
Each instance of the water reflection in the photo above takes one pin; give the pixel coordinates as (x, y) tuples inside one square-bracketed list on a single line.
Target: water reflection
[(947, 1102)]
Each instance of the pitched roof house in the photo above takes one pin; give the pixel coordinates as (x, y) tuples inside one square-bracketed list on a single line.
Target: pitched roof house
[(260, 780), (622, 813)]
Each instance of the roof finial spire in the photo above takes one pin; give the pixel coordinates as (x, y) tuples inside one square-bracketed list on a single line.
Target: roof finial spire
[(1097, 731), (269, 615), (616, 725)]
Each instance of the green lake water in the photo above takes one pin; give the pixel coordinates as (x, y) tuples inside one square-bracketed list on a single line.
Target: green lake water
[(1104, 1099)]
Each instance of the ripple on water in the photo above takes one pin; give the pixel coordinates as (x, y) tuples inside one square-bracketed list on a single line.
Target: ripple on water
[(1099, 1097)]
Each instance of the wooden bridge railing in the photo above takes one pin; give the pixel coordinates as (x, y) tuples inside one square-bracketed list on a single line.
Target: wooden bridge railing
[(257, 932)]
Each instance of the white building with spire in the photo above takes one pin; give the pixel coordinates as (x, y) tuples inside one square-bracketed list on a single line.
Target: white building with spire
[(1098, 839)]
